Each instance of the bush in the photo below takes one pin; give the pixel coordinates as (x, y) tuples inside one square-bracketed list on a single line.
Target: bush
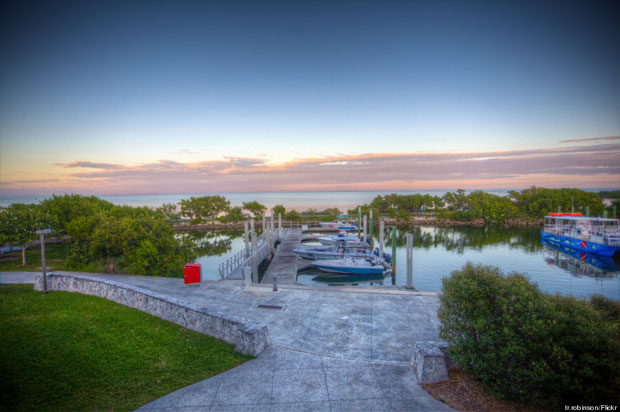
[(527, 345)]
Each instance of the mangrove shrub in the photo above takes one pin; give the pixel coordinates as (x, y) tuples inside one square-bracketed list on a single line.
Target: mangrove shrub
[(527, 345)]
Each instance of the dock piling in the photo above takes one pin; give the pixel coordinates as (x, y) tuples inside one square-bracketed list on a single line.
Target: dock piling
[(254, 259), (371, 224), (381, 240), (246, 236), (365, 230), (247, 276), (393, 255), (359, 221), (409, 261), (252, 225)]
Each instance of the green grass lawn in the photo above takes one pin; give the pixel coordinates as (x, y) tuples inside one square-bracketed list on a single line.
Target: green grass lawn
[(71, 352)]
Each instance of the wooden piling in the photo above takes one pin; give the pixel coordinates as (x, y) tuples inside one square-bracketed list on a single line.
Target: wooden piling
[(409, 261), (381, 240), (254, 259), (246, 237)]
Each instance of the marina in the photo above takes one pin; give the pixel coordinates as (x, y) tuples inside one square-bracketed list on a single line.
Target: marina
[(437, 251)]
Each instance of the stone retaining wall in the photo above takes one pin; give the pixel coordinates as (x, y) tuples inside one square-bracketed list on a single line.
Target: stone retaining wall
[(248, 336)]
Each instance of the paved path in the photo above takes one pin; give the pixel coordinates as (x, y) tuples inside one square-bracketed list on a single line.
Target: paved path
[(336, 349)]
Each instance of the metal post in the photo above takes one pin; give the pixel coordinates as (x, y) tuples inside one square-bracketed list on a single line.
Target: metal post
[(254, 259), (43, 263), (393, 255), (587, 210), (280, 222), (252, 225), (246, 236), (268, 239), (273, 229), (409, 261), (365, 230), (263, 223), (381, 240), (371, 228), (247, 276), (559, 209), (274, 278), (359, 221)]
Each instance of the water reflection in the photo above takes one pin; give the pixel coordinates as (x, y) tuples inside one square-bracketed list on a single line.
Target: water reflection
[(440, 250), (460, 238), (579, 263)]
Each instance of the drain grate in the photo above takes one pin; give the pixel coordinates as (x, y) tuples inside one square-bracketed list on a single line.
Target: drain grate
[(276, 307)]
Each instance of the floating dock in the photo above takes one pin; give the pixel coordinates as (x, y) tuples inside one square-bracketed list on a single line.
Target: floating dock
[(284, 263)]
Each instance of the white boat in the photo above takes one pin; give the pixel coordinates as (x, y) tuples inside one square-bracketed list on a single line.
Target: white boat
[(338, 225), (584, 234), (332, 240), (351, 266), (338, 252)]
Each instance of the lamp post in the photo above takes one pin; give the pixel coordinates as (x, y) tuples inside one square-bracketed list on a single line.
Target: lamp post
[(43, 232)]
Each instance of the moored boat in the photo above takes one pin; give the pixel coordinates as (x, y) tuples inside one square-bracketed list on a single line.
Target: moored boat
[(338, 252), (596, 235), (352, 266), (332, 240)]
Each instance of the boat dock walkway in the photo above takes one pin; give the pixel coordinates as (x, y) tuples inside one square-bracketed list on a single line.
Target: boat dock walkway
[(284, 263)]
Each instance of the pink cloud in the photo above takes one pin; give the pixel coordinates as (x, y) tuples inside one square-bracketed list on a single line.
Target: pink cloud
[(594, 165)]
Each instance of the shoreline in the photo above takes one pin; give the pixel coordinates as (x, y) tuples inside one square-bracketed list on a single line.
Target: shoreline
[(416, 221)]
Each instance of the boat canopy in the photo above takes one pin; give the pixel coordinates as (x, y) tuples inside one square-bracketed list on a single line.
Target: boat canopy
[(580, 218)]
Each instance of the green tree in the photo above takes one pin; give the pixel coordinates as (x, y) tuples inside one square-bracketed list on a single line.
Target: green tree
[(169, 210), (18, 225), (202, 208), (539, 201), (255, 208), (142, 246), (293, 216), (279, 209), (61, 210), (234, 215)]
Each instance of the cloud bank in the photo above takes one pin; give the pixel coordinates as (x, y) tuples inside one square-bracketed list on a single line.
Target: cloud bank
[(593, 165)]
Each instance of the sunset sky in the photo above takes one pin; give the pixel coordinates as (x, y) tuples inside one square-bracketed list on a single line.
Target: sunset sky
[(130, 97)]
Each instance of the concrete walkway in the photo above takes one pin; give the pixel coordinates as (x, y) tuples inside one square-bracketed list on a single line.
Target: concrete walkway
[(336, 349)]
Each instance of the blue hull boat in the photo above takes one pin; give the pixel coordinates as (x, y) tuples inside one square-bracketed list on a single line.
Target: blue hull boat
[(579, 245), (607, 264), (596, 235)]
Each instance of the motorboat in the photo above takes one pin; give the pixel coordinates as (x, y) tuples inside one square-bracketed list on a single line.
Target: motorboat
[(352, 265), (596, 235), (338, 225), (332, 240), (338, 252)]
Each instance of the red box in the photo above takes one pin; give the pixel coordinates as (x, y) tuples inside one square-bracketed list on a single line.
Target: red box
[(192, 273)]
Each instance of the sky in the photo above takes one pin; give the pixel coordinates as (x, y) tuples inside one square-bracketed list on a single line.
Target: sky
[(131, 97)]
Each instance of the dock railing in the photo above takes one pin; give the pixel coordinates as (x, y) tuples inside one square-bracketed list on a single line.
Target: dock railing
[(243, 258)]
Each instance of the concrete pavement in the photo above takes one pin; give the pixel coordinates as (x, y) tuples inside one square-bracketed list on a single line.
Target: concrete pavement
[(332, 349)]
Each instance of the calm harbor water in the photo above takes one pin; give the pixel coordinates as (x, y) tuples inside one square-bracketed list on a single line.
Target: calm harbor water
[(440, 250)]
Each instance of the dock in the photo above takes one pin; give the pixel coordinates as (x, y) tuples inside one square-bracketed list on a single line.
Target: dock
[(284, 262)]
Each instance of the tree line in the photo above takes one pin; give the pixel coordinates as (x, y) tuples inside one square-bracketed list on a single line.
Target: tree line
[(141, 240), (529, 203)]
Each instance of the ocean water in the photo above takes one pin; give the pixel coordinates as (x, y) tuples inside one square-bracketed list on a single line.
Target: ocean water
[(299, 201), (291, 200)]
